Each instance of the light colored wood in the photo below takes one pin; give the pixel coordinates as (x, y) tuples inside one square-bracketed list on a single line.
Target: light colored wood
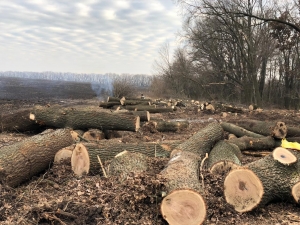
[(283, 156), (80, 160), (64, 154)]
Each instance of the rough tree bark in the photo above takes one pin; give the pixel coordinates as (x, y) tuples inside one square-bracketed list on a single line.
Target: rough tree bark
[(250, 143), (24, 159), (239, 131), (84, 118), (224, 157)]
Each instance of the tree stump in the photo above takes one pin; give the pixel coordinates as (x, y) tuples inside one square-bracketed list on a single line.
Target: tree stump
[(24, 159), (262, 181)]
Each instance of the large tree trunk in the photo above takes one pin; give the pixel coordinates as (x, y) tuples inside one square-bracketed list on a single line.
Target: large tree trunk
[(184, 203), (107, 105), (278, 130), (144, 115), (84, 118), (250, 143), (22, 160), (108, 149), (127, 162), (239, 131), (262, 181), (202, 141), (224, 157), (17, 121)]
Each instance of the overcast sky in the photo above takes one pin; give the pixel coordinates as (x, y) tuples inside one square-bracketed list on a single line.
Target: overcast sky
[(88, 36)]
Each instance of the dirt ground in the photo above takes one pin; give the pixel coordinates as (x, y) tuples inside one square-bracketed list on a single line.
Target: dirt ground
[(57, 197)]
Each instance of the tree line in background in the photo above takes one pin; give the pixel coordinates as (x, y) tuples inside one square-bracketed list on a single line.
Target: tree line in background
[(244, 51)]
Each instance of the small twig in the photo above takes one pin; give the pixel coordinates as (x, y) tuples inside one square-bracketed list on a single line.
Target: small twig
[(70, 215), (201, 169), (104, 173), (82, 138)]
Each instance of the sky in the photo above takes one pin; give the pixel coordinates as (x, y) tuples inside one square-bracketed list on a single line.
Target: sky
[(87, 36)]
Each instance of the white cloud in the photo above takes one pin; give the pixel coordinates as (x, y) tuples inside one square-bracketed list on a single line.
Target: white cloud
[(98, 36)]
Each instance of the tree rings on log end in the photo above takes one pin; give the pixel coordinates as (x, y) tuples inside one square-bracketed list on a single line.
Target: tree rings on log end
[(280, 130), (137, 123), (296, 192), (284, 156), (243, 190), (183, 207), (80, 160), (222, 167)]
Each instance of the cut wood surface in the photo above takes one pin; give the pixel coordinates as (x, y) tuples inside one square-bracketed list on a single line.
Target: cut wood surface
[(17, 121), (94, 135), (127, 162), (265, 128), (261, 182), (223, 157), (108, 149), (184, 203), (82, 117), (202, 141), (239, 131), (64, 154), (24, 159), (250, 143)]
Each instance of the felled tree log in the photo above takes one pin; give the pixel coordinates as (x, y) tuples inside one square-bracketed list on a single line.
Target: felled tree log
[(144, 115), (113, 99), (202, 141), (17, 121), (184, 203), (24, 159), (108, 149), (278, 130), (134, 102), (260, 182), (138, 99), (293, 132), (64, 154), (229, 108), (224, 157), (239, 131), (108, 105), (151, 108), (127, 162), (250, 143), (84, 118)]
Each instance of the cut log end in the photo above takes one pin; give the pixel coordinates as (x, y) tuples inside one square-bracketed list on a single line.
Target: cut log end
[(222, 167), (148, 115), (80, 160), (284, 156), (31, 116), (183, 207), (280, 130), (137, 124), (64, 154), (296, 192), (243, 190)]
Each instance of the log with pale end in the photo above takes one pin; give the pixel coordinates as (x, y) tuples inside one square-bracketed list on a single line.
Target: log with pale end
[(108, 149), (239, 131), (22, 160), (84, 117), (296, 192), (144, 115), (127, 162), (80, 160), (266, 128), (261, 182), (283, 156), (223, 158), (184, 203), (203, 141)]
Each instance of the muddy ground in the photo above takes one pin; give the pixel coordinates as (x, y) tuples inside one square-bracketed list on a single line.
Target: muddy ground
[(58, 197)]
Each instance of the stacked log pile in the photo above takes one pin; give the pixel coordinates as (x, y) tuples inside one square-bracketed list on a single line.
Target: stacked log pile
[(80, 138)]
